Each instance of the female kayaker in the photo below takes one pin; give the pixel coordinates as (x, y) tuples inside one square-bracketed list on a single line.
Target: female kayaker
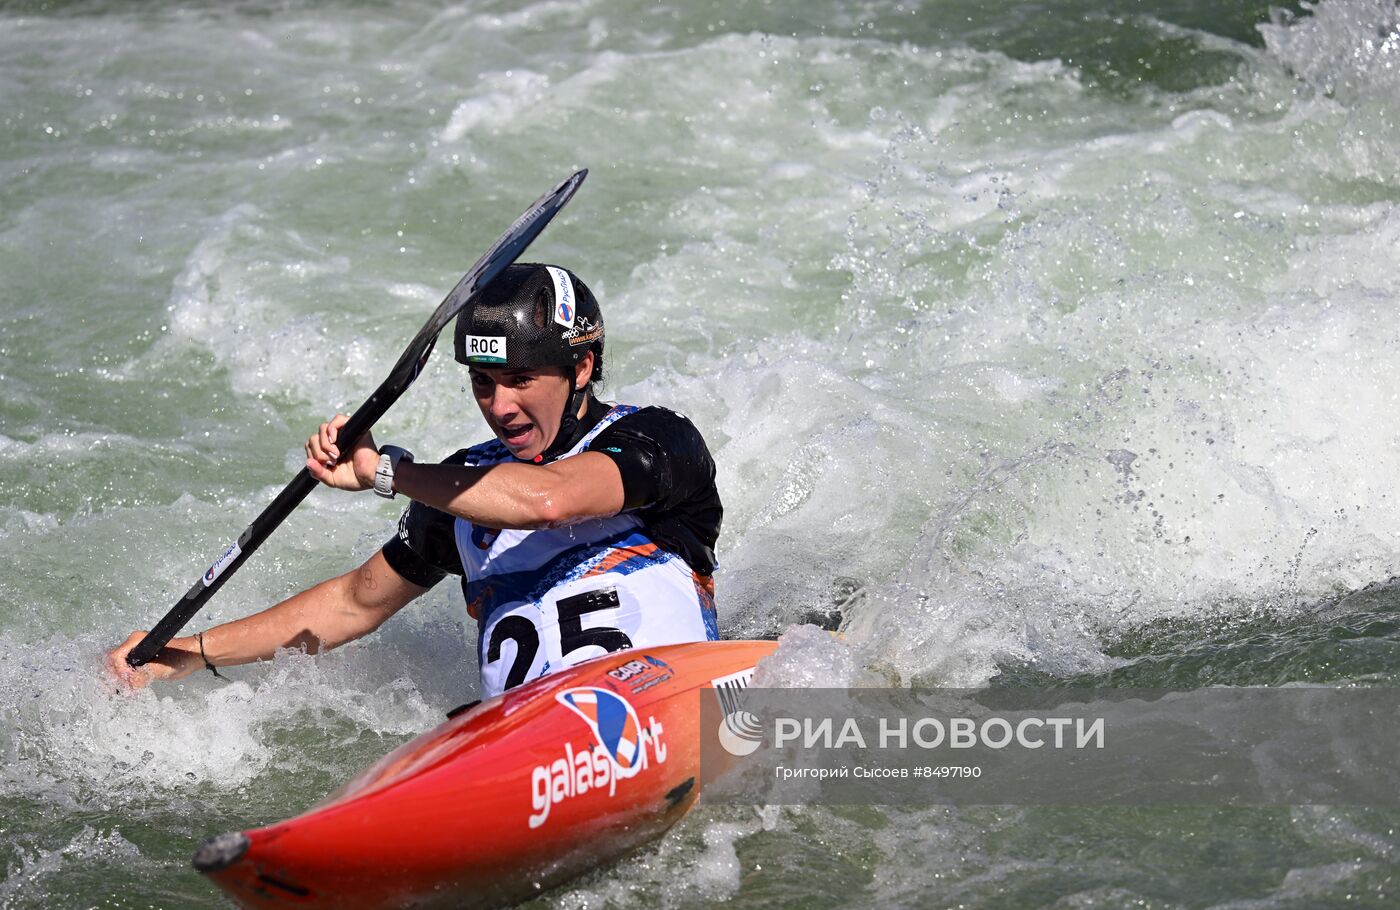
[(582, 528)]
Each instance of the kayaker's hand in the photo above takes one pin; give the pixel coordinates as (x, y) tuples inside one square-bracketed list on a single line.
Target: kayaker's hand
[(173, 661), (323, 450)]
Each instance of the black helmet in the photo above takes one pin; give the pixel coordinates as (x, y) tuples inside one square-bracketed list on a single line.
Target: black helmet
[(529, 316)]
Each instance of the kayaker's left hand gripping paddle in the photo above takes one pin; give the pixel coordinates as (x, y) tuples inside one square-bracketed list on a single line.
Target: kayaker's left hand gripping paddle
[(502, 253)]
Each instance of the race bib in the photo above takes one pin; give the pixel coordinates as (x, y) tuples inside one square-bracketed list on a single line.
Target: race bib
[(529, 640)]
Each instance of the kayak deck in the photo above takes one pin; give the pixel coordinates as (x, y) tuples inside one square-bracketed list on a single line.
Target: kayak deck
[(509, 797)]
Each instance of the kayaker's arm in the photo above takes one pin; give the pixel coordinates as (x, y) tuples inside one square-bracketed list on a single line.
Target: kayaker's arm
[(588, 485), (333, 612), (510, 495)]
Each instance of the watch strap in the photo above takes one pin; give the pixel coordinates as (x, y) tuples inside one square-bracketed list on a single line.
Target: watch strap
[(389, 459)]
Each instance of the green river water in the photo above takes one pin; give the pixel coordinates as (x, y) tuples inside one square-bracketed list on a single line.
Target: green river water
[(1046, 343)]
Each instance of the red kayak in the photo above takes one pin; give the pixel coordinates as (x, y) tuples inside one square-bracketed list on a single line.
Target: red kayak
[(508, 797)]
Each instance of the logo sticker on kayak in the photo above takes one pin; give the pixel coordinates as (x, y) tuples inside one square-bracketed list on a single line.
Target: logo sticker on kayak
[(641, 675), (614, 724), (623, 747)]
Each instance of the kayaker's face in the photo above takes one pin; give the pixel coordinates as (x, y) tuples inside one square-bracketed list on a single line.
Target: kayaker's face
[(524, 407)]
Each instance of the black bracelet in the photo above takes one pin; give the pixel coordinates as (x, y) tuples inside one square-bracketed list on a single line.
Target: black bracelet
[(207, 665)]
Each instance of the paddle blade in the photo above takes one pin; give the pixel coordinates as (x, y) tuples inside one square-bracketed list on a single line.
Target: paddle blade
[(502, 253)]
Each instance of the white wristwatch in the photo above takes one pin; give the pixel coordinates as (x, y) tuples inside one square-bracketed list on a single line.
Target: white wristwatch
[(389, 458)]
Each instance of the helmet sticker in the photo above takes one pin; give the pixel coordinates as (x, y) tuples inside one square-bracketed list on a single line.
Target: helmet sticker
[(485, 348), (564, 307), (585, 332)]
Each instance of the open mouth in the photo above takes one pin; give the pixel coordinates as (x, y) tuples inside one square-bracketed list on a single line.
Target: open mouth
[(515, 436)]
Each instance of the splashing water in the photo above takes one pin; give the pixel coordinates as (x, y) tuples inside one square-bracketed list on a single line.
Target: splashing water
[(1032, 343)]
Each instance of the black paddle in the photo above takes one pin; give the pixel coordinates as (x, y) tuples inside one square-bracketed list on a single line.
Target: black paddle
[(503, 252)]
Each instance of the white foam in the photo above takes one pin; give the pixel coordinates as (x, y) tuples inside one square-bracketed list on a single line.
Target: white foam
[(39, 867), (236, 296), (1348, 49), (561, 14), (70, 444), (86, 741), (23, 521), (503, 97), (696, 860), (808, 658)]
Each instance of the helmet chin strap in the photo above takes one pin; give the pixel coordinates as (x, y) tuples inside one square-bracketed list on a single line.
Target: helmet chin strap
[(567, 434)]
